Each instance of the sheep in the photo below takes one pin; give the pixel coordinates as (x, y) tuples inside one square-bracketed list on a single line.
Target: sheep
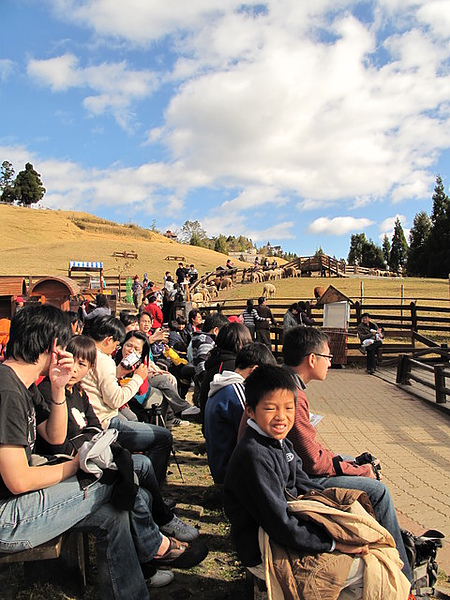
[(269, 290)]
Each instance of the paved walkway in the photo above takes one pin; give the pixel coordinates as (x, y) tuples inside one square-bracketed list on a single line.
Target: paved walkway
[(412, 440)]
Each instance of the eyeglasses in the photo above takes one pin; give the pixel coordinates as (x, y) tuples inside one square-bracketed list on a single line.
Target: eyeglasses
[(329, 356)]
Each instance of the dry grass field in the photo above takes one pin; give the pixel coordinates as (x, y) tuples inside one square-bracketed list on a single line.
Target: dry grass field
[(41, 242)]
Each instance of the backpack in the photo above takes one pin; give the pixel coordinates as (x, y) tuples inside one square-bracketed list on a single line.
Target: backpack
[(421, 552)]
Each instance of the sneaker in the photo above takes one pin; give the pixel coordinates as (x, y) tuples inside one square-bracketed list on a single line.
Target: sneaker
[(178, 529), (179, 422), (161, 578), (190, 412)]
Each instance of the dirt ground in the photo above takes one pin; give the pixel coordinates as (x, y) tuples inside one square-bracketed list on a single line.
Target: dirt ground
[(219, 577)]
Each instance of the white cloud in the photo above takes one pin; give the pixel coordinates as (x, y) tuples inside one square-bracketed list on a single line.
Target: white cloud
[(6, 69), (389, 222), (115, 86), (338, 225)]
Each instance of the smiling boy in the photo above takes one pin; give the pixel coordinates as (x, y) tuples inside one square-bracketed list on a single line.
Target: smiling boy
[(264, 472)]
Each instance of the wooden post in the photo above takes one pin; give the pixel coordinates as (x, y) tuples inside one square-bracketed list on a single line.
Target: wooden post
[(362, 291), (401, 303), (439, 384)]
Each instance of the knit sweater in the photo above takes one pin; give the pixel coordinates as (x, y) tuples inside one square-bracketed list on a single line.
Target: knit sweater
[(103, 390)]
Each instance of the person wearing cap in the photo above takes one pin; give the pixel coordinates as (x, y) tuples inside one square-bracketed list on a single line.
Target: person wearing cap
[(19, 304)]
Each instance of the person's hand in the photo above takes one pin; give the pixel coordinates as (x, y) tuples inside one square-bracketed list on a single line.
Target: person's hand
[(121, 372), (142, 371), (61, 365), (349, 549)]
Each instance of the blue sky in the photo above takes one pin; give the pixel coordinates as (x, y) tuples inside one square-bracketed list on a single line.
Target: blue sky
[(294, 122)]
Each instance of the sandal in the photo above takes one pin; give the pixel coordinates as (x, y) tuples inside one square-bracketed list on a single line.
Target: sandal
[(181, 555)]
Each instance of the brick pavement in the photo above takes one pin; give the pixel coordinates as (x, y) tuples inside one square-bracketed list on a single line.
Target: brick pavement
[(411, 439)]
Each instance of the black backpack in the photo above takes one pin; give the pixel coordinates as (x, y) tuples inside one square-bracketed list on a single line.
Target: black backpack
[(421, 552)]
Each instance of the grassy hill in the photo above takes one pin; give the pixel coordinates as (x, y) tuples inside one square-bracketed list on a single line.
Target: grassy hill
[(41, 242)]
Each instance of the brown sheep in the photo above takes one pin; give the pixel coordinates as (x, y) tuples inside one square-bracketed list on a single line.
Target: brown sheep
[(226, 283)]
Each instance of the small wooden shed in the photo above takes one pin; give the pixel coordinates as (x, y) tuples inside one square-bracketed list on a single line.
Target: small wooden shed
[(56, 291), (11, 286)]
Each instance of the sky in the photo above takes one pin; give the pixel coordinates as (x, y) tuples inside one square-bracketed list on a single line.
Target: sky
[(298, 122)]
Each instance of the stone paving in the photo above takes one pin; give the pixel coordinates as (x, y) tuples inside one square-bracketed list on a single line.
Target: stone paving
[(412, 440)]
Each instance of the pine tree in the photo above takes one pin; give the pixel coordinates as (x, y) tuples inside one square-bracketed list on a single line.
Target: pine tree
[(439, 238), (417, 264), (28, 186), (355, 253), (399, 248), (7, 182), (386, 248)]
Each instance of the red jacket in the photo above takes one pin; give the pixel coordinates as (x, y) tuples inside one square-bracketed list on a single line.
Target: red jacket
[(156, 314)]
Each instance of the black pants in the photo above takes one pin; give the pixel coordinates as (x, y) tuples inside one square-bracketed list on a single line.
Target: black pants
[(372, 351)]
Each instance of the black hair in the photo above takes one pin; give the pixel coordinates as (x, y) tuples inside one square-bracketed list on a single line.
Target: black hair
[(75, 318), (301, 305), (233, 337), (139, 335), (301, 341), (261, 300), (83, 347), (294, 307), (181, 320), (215, 319), (254, 354), (34, 330), (103, 327), (365, 314), (267, 379), (192, 314), (128, 318), (101, 300), (250, 306)]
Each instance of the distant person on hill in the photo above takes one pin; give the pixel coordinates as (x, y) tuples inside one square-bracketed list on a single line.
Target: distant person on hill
[(263, 325), (250, 316), (137, 288)]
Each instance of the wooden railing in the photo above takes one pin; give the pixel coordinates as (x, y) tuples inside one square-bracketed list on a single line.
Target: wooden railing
[(429, 367)]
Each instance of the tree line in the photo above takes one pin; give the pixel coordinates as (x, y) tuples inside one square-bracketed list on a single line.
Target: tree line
[(428, 251), (23, 189)]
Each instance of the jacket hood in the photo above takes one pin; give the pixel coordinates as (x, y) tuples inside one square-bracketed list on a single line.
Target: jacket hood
[(221, 380)]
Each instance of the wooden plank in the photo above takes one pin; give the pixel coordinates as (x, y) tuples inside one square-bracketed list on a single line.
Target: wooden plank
[(49, 550)]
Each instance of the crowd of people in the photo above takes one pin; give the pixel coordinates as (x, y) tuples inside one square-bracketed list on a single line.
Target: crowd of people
[(71, 383)]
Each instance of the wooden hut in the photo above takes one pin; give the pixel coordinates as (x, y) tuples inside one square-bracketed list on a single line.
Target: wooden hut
[(11, 287), (56, 291)]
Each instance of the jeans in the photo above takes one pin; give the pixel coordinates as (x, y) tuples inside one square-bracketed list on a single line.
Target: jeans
[(383, 507), (154, 441), (147, 480), (167, 384), (36, 517), (372, 352)]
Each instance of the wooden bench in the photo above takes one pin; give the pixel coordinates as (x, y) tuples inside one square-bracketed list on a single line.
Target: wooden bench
[(390, 344), (70, 550), (126, 254), (178, 258)]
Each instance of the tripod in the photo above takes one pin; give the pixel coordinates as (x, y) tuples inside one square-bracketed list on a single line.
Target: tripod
[(157, 418)]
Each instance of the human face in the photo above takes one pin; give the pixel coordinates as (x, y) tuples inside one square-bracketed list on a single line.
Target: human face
[(145, 323), (197, 319), (132, 345), (365, 320), (132, 327), (80, 369), (321, 362), (274, 413)]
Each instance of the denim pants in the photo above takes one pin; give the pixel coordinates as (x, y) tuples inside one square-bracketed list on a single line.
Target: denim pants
[(31, 519), (147, 480), (383, 507), (154, 441), (167, 384)]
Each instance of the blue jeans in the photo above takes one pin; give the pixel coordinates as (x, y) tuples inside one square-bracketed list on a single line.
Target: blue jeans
[(383, 507), (36, 517), (152, 440), (145, 472)]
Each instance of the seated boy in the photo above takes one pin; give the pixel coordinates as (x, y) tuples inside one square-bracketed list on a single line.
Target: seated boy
[(264, 472), (39, 503), (225, 406)]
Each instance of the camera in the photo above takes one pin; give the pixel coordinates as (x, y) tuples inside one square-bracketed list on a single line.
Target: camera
[(131, 361)]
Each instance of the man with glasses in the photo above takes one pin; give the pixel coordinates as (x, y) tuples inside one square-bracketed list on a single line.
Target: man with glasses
[(306, 354)]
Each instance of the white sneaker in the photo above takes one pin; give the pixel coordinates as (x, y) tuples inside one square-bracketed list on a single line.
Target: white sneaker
[(178, 422), (179, 530), (190, 412), (161, 578)]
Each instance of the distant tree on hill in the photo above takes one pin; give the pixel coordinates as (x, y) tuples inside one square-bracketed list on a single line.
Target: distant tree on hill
[(220, 244), (192, 233), (28, 186), (355, 252), (7, 182), (364, 252), (418, 255), (399, 248)]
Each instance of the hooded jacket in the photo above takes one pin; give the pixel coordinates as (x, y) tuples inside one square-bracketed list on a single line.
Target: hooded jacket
[(223, 413)]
